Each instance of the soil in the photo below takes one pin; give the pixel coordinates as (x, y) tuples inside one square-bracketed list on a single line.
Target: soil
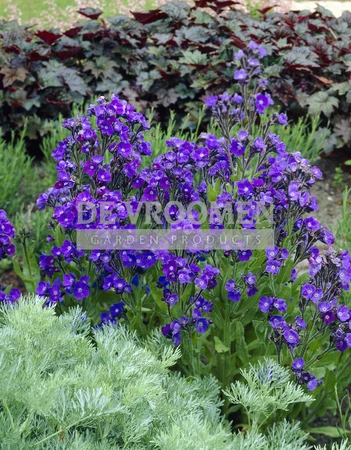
[(335, 7)]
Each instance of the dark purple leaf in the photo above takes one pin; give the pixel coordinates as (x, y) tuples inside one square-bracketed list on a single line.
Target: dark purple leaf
[(72, 32), (265, 10), (57, 103), (12, 48), (149, 16), (215, 4), (237, 42), (64, 54), (91, 13), (42, 54), (48, 37)]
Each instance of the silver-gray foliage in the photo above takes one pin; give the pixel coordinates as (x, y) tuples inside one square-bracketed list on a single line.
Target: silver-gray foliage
[(267, 389), (65, 387)]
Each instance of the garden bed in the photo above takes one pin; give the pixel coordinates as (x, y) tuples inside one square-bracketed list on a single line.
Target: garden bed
[(175, 265)]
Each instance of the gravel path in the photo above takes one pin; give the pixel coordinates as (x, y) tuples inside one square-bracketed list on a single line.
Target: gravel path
[(337, 8)]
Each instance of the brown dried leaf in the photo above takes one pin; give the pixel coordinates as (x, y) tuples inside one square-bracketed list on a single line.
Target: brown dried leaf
[(13, 74)]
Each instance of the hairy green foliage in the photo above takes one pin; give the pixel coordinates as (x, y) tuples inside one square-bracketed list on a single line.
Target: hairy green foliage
[(302, 136), (49, 142), (343, 232), (34, 223)]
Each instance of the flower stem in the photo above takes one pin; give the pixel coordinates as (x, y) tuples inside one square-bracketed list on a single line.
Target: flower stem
[(25, 248)]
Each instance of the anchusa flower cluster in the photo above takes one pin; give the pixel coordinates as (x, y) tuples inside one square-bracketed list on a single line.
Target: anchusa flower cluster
[(7, 248), (330, 274), (97, 167), (178, 271), (304, 377), (319, 309)]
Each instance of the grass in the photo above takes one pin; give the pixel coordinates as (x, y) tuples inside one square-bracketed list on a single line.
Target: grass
[(16, 174), (30, 10), (54, 13)]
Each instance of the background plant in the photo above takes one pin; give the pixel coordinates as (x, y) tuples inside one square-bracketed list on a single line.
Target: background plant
[(160, 60)]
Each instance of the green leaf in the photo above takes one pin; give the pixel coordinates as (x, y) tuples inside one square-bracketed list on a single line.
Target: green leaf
[(301, 56), (272, 71), (217, 316), (219, 346), (194, 58), (211, 194), (176, 11), (322, 102), (163, 38), (20, 95), (218, 186), (59, 237), (189, 291), (202, 17), (8, 289), (157, 295), (106, 299), (17, 269), (102, 66), (116, 85), (146, 79), (327, 431), (168, 97), (255, 344), (48, 75), (29, 275), (196, 34), (300, 280), (73, 81), (241, 347), (342, 88)]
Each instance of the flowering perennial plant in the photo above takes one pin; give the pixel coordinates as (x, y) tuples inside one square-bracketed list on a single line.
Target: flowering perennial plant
[(283, 180), (221, 306), (98, 163), (7, 248)]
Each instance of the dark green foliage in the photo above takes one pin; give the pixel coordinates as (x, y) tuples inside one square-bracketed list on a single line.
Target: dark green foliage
[(170, 58)]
